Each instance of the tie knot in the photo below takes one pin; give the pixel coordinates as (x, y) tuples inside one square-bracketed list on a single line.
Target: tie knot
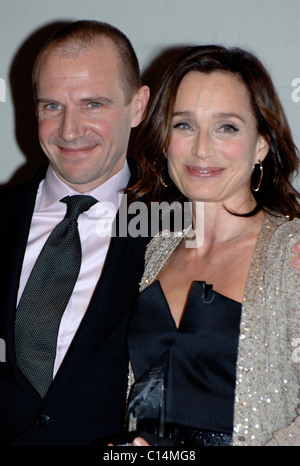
[(78, 204)]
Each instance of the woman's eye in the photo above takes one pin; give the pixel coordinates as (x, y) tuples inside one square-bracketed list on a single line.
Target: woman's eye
[(228, 129), (183, 125)]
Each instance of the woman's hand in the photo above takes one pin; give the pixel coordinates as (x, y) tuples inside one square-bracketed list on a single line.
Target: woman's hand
[(140, 442), (296, 258), (137, 442), (287, 436)]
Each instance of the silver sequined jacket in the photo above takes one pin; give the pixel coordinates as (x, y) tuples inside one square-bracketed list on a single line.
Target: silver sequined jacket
[(268, 365)]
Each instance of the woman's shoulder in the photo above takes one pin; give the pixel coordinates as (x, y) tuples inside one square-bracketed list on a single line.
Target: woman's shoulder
[(161, 243), (158, 251), (277, 242), (283, 229)]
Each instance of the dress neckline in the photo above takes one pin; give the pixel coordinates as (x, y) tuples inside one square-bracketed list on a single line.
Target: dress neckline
[(207, 296)]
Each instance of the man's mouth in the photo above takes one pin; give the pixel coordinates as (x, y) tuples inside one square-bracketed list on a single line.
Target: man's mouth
[(76, 150)]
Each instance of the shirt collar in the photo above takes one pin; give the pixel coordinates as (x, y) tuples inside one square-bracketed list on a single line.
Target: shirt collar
[(54, 188)]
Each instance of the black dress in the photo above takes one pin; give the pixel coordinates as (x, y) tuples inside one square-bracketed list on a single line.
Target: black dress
[(199, 360)]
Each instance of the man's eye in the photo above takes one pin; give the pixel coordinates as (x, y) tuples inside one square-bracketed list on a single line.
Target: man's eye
[(93, 105), (52, 106)]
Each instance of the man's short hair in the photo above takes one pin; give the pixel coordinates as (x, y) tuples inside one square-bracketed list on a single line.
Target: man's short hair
[(79, 36)]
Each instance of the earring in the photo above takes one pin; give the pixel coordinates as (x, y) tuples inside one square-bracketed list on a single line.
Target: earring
[(159, 176), (261, 175)]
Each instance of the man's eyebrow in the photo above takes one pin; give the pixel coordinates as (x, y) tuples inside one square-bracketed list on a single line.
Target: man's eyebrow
[(44, 101), (97, 98), (85, 100)]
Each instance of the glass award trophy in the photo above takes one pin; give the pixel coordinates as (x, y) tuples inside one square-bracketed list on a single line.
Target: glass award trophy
[(146, 410), (147, 407)]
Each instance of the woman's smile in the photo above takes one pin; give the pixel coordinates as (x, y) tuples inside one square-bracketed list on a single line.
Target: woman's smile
[(204, 172)]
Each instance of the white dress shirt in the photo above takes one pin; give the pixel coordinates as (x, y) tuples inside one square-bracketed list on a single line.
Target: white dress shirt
[(94, 229)]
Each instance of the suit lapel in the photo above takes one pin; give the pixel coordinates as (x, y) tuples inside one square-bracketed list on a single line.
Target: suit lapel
[(16, 208)]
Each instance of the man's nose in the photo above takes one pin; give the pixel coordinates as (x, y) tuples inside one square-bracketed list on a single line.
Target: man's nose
[(72, 125)]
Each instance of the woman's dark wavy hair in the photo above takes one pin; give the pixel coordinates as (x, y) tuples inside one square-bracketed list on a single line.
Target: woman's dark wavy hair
[(280, 166)]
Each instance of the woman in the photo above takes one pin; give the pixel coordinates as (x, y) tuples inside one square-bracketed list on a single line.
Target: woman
[(220, 319)]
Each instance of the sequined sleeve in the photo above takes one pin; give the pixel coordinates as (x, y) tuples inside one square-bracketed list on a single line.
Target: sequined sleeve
[(267, 382), (267, 373)]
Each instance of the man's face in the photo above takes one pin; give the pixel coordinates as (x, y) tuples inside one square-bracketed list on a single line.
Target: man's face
[(84, 124)]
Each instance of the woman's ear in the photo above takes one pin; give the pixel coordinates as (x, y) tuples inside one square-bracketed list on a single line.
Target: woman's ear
[(263, 147)]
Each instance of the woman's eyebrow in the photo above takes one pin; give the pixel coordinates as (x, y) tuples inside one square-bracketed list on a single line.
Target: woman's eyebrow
[(221, 115)]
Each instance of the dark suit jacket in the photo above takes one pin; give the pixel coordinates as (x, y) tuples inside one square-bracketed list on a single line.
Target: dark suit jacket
[(87, 397)]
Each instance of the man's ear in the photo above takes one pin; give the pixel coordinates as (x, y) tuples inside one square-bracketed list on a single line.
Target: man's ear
[(141, 99)]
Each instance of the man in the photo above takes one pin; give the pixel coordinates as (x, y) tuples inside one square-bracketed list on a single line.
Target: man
[(88, 97)]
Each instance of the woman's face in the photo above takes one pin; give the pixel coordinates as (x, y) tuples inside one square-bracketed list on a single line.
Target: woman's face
[(214, 141)]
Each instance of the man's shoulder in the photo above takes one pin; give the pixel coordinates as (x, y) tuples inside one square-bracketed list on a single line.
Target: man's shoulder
[(12, 195)]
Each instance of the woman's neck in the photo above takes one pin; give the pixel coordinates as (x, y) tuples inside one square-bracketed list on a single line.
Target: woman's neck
[(214, 224)]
